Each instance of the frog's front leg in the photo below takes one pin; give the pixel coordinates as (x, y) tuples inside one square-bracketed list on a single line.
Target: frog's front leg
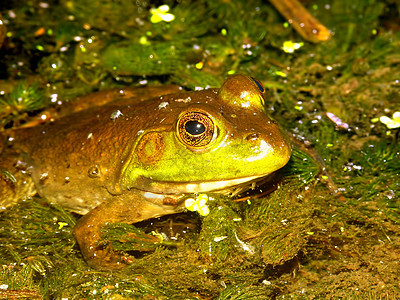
[(127, 208)]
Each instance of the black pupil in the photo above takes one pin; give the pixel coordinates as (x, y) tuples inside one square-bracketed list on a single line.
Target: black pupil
[(194, 127)]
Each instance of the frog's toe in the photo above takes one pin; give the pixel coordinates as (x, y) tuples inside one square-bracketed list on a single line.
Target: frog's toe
[(107, 259)]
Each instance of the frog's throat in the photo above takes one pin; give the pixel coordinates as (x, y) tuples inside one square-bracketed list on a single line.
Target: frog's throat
[(175, 188)]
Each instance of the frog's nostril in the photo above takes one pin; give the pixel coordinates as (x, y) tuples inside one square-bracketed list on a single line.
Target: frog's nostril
[(252, 137)]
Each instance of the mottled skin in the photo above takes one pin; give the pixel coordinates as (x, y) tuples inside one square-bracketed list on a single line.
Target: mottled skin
[(137, 157)]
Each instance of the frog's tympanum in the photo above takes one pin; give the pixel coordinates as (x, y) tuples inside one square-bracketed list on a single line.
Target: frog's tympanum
[(137, 158)]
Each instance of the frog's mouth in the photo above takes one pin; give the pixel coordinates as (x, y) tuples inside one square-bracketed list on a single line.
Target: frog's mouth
[(221, 185), (228, 186)]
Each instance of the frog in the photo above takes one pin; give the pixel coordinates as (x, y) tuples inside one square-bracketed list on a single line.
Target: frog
[(138, 154)]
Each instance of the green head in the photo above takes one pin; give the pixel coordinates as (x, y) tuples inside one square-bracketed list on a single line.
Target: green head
[(205, 141)]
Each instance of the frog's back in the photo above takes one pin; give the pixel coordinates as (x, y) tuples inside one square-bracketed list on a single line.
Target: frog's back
[(76, 160), (68, 162)]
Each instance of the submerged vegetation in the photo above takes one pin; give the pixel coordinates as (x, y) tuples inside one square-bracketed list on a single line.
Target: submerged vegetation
[(328, 228)]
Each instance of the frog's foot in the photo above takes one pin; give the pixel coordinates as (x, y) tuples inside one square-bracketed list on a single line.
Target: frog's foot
[(131, 209), (97, 255), (14, 186), (106, 258)]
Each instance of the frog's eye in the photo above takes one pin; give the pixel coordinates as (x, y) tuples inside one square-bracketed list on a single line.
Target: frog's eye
[(259, 85), (196, 129)]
